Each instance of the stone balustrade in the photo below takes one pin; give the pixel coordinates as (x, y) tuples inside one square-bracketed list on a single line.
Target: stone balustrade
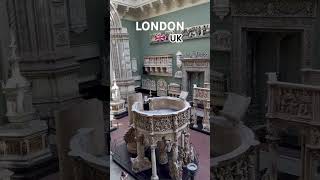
[(201, 95), (167, 114), (293, 102), (84, 158)]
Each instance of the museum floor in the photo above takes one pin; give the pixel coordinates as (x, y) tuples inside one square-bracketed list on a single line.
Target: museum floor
[(199, 140)]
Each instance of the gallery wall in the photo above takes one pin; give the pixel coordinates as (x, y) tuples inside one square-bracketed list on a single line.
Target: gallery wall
[(140, 41)]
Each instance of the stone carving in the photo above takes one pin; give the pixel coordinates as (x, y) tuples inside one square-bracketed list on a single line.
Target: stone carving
[(140, 163), (158, 65), (162, 128), (162, 88), (199, 64), (196, 54), (134, 65), (178, 74), (178, 59), (163, 157), (174, 89), (222, 40), (117, 104), (149, 84), (23, 135), (115, 90), (201, 96), (238, 169), (295, 102), (285, 8), (176, 170), (130, 139), (120, 54), (142, 122), (315, 137)]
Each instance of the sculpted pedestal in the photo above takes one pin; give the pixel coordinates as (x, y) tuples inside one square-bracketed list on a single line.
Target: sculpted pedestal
[(140, 163)]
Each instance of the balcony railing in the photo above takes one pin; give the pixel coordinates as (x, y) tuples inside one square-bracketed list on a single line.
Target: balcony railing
[(293, 102)]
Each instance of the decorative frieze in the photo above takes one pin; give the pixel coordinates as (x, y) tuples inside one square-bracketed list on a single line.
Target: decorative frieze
[(158, 65), (274, 8), (221, 40)]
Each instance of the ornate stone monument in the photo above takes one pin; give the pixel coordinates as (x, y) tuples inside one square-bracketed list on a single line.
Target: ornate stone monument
[(117, 104), (120, 54), (166, 127), (202, 96), (24, 139)]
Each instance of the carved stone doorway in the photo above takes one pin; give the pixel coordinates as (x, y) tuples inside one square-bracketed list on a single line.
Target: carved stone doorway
[(194, 69), (271, 51), (194, 78), (241, 28)]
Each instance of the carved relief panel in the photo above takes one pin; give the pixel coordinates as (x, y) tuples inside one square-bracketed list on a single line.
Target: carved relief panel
[(174, 89), (221, 40), (149, 84), (284, 8), (162, 88)]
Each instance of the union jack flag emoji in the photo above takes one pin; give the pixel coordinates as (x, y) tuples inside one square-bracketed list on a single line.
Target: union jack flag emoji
[(160, 37)]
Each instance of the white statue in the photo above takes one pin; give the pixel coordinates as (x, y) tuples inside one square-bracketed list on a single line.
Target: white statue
[(115, 90), (178, 58)]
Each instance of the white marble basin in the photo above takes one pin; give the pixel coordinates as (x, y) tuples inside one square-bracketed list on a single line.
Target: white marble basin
[(166, 114)]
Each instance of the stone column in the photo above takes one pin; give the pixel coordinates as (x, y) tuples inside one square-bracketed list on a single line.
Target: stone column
[(205, 121), (184, 80), (182, 140), (137, 97), (140, 163), (154, 163), (194, 117), (273, 139)]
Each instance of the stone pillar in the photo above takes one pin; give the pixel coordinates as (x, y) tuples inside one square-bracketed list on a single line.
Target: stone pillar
[(205, 121), (163, 157), (140, 163), (154, 163), (194, 117), (182, 140), (184, 80), (137, 97), (273, 139)]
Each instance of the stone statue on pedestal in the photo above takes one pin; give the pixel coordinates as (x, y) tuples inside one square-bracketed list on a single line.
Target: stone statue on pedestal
[(115, 91)]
